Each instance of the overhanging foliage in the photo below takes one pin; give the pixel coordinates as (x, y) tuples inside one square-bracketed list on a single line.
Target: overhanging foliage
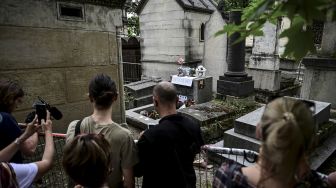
[(301, 13)]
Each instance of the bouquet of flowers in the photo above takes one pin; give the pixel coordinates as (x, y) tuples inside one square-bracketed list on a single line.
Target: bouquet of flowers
[(180, 61)]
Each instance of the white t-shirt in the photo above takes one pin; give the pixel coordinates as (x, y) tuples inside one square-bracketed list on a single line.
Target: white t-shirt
[(25, 173)]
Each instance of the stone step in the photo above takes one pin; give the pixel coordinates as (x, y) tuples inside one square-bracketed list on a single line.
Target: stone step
[(323, 152), (142, 101), (246, 125), (235, 140)]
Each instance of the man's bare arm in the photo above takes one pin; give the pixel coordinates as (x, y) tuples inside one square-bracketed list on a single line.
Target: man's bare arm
[(128, 177)]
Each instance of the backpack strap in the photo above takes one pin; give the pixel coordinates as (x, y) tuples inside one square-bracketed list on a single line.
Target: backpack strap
[(77, 128)]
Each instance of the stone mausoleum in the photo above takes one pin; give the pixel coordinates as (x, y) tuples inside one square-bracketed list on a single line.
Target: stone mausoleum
[(170, 29), (53, 48)]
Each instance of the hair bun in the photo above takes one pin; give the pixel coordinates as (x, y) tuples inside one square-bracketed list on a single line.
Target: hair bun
[(288, 116)]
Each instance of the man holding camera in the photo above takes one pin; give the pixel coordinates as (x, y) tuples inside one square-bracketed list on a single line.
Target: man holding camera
[(167, 150), (11, 95)]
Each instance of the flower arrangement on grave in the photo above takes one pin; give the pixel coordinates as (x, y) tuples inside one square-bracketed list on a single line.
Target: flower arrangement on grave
[(200, 71), (184, 71)]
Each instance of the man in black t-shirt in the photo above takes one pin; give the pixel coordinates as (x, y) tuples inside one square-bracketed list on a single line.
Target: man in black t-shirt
[(167, 150)]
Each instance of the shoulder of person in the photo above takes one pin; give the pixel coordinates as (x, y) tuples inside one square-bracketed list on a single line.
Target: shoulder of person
[(74, 122), (230, 175), (118, 132), (71, 129), (4, 116), (8, 123), (231, 166)]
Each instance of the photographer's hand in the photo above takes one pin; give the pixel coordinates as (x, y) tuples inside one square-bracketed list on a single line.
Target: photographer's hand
[(45, 164), (47, 124), (30, 138), (25, 142), (31, 128)]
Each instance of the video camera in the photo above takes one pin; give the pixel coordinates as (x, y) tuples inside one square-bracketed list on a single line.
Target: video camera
[(41, 107)]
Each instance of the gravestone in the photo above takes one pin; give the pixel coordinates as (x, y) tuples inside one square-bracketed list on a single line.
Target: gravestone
[(210, 116), (136, 119), (235, 81), (243, 134), (204, 114), (264, 63), (200, 89), (246, 125), (140, 93), (320, 73)]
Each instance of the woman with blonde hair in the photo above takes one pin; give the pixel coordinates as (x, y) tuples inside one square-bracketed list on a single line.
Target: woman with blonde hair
[(286, 131)]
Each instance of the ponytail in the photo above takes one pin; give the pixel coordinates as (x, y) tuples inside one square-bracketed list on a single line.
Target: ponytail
[(103, 91), (287, 131)]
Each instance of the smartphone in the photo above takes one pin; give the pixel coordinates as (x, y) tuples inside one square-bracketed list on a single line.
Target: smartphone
[(41, 111)]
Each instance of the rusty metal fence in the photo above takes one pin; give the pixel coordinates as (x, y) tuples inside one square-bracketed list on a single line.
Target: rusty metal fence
[(132, 72)]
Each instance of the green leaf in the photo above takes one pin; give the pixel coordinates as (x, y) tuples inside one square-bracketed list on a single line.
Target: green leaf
[(260, 10), (300, 41), (257, 33), (229, 29), (220, 32)]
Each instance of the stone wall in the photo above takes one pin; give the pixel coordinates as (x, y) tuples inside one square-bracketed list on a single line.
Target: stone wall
[(162, 37), (55, 58), (195, 47), (215, 49), (167, 33)]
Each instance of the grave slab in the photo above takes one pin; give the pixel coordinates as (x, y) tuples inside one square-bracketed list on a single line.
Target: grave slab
[(234, 140), (205, 113), (134, 118), (140, 88), (246, 125), (317, 158)]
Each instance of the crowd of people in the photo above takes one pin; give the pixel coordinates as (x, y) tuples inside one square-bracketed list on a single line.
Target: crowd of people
[(100, 153)]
